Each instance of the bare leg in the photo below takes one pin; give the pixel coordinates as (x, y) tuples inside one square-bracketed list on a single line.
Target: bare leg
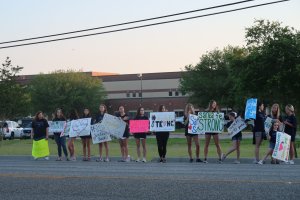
[(258, 141), (196, 140), (189, 143), (144, 148), (138, 149), (207, 141), (106, 149), (292, 151), (217, 143)]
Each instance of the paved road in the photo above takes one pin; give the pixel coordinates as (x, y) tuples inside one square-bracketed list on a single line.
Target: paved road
[(24, 178)]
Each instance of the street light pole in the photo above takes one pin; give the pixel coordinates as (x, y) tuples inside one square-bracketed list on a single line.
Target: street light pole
[(141, 78)]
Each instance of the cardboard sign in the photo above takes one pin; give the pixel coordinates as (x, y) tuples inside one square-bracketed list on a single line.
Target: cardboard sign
[(67, 129), (112, 125), (40, 148), (210, 122), (139, 126), (97, 135), (282, 147), (80, 127), (237, 126), (162, 121), (250, 111), (268, 124), (56, 126)]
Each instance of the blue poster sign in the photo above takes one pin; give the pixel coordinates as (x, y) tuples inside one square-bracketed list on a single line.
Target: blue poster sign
[(250, 111)]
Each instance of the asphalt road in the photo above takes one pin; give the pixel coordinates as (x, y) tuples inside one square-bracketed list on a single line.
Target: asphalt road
[(24, 178)]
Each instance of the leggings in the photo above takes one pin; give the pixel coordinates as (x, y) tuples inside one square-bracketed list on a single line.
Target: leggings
[(162, 140), (61, 143)]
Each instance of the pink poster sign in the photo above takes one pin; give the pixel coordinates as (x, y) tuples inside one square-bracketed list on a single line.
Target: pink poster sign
[(139, 126)]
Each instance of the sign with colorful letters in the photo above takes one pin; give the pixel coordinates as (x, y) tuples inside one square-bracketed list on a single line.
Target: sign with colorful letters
[(237, 126), (210, 122), (139, 126), (268, 124), (56, 126), (99, 136), (162, 121), (80, 127), (282, 146), (250, 111)]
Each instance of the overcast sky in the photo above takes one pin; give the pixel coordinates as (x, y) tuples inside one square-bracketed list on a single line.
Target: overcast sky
[(160, 48)]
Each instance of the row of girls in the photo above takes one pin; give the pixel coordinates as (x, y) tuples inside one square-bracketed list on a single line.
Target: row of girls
[(288, 125), (40, 128)]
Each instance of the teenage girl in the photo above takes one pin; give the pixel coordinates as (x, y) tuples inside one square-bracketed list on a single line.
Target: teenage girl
[(71, 147), (189, 110), (60, 140), (124, 140), (275, 115), (291, 128), (86, 140), (259, 130), (99, 118), (140, 115), (212, 107)]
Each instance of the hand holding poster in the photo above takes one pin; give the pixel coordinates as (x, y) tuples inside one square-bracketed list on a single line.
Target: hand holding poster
[(237, 126), (112, 125), (268, 124), (56, 126), (97, 135), (139, 126), (67, 129), (211, 122), (250, 111), (80, 127), (162, 121), (282, 146)]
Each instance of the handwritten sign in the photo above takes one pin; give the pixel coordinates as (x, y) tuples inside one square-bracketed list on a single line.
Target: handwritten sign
[(282, 146), (250, 111), (80, 127), (139, 126), (162, 121), (237, 126), (56, 126), (99, 136), (268, 124), (211, 122), (112, 125)]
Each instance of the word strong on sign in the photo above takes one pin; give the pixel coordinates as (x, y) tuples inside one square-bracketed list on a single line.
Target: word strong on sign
[(162, 121)]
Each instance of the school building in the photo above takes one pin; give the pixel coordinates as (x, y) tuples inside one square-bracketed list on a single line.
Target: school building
[(133, 90)]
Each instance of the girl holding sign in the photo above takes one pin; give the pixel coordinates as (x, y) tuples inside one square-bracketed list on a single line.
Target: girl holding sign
[(71, 147), (39, 134), (189, 110), (291, 128), (259, 130), (99, 118), (86, 145), (140, 115), (272, 136), (60, 139), (124, 140), (162, 140), (236, 140), (212, 107)]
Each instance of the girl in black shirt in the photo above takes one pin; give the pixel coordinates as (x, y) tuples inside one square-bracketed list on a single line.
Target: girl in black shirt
[(60, 140), (291, 128), (259, 130), (124, 140), (86, 140), (140, 115)]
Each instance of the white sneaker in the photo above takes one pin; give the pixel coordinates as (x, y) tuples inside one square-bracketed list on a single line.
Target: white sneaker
[(100, 159), (127, 159), (223, 157), (261, 162), (236, 162), (255, 162), (138, 160), (205, 161), (46, 158), (106, 160), (291, 162), (144, 160)]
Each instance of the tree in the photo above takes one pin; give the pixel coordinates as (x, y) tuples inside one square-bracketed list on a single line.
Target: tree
[(66, 89), (14, 98)]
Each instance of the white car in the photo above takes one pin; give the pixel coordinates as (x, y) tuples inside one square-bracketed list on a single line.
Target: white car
[(11, 130)]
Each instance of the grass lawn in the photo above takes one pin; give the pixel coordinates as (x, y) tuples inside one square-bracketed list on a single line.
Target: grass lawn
[(176, 148)]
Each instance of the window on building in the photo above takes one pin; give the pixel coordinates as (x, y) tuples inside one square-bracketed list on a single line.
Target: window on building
[(170, 93), (140, 94), (133, 94), (127, 94), (176, 93)]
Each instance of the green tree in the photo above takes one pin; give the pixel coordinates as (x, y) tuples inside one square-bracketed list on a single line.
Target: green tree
[(66, 89), (14, 98)]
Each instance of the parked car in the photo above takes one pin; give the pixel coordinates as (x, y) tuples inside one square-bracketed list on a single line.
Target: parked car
[(26, 132), (11, 130)]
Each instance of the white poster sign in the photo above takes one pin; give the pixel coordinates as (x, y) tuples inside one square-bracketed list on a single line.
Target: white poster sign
[(162, 121)]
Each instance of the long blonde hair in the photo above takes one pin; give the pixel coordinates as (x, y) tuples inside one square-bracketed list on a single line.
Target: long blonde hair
[(189, 107), (277, 115)]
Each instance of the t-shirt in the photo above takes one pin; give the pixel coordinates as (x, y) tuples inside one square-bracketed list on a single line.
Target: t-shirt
[(99, 118), (259, 122), (39, 129), (288, 129), (272, 134)]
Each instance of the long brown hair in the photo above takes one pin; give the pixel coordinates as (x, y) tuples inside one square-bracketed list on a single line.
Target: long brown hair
[(55, 114), (189, 107), (160, 108), (210, 108), (105, 108), (36, 117)]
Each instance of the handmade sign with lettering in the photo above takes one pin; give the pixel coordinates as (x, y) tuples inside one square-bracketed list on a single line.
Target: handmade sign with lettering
[(211, 122), (162, 121), (139, 126)]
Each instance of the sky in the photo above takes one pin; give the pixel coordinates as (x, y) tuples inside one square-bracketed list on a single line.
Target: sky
[(162, 48)]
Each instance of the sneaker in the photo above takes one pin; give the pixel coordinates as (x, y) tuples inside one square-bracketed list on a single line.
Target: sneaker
[(261, 162), (236, 162), (198, 160), (58, 159), (219, 161), (191, 160), (106, 160), (160, 160), (144, 160), (99, 159), (223, 157), (84, 159), (138, 160), (291, 162), (46, 158), (127, 159), (273, 161), (164, 160), (277, 162), (205, 161), (286, 162), (255, 162), (73, 158), (67, 159)]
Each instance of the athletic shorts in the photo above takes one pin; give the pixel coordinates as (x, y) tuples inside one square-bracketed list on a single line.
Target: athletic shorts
[(140, 135), (211, 133)]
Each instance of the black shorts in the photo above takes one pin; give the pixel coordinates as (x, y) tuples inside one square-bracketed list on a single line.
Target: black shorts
[(190, 135), (211, 133), (293, 137), (85, 137), (140, 135), (126, 134)]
